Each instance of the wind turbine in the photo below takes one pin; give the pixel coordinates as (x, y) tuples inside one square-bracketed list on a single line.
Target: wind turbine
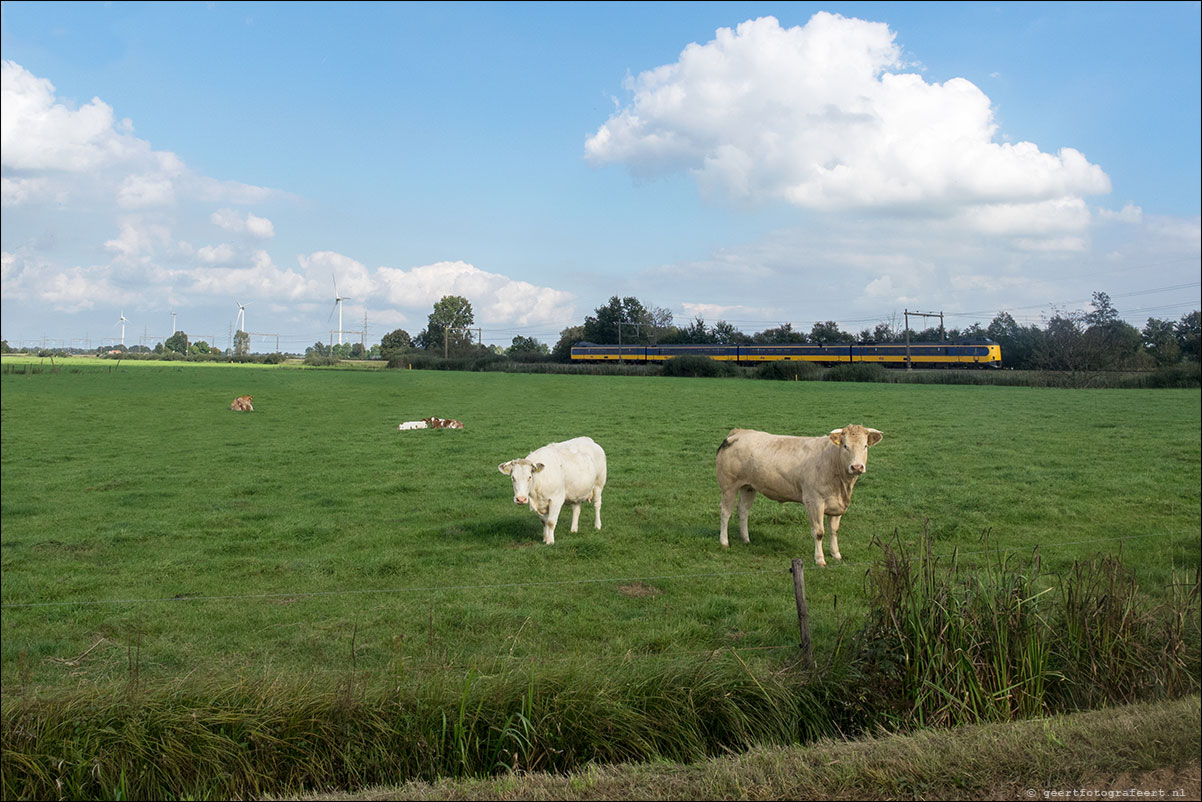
[(241, 315), (338, 299), (121, 323), (173, 323)]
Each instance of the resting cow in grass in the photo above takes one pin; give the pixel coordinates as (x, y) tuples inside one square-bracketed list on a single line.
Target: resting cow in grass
[(820, 472), (443, 423), (572, 471), (242, 404)]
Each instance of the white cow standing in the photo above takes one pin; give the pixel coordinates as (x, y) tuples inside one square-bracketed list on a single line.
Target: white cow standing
[(572, 471), (820, 472)]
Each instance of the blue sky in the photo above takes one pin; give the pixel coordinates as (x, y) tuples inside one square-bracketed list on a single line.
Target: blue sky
[(755, 162)]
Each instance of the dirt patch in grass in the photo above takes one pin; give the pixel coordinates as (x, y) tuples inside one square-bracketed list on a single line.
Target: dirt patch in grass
[(637, 590)]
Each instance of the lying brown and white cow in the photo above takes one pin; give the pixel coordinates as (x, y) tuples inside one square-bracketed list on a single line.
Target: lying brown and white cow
[(820, 472), (242, 404), (573, 471), (431, 423)]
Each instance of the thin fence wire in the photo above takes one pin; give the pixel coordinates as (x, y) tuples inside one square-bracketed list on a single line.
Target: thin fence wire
[(510, 658), (560, 582)]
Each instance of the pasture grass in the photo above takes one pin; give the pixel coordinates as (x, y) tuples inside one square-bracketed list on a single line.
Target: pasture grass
[(137, 508), (938, 647), (203, 603)]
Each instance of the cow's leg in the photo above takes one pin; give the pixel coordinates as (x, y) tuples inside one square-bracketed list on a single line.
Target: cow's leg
[(597, 506), (575, 516), (816, 509), (550, 520), (725, 508), (746, 498), (834, 521)]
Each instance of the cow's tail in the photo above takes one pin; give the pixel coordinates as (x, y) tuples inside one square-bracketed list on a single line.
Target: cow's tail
[(729, 441)]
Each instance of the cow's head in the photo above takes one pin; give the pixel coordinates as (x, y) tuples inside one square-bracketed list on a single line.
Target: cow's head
[(853, 441), (521, 471)]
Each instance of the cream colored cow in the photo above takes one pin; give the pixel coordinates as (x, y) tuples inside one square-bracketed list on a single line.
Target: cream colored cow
[(820, 472), (573, 471)]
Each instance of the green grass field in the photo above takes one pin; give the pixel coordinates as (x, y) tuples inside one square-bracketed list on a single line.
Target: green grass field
[(147, 528)]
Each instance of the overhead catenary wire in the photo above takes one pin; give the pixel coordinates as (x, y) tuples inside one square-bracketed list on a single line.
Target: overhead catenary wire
[(499, 335)]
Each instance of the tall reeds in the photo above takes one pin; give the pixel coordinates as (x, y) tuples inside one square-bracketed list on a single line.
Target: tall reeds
[(1006, 641)]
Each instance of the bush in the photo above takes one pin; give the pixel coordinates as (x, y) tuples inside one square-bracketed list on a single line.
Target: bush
[(698, 366), (274, 359), (314, 359), (487, 362), (789, 371), (1183, 374), (857, 372), (529, 357), (428, 361)]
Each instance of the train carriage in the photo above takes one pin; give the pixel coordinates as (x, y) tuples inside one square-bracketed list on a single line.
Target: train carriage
[(604, 353), (961, 353), (721, 353)]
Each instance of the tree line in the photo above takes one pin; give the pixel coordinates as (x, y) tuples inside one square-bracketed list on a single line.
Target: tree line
[(1097, 339)]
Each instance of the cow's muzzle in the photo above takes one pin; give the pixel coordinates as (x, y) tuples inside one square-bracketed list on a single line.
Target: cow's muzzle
[(520, 500), (856, 470)]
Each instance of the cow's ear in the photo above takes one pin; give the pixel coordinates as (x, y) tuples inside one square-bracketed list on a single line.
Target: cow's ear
[(505, 468), (538, 466), (836, 437), (874, 436)]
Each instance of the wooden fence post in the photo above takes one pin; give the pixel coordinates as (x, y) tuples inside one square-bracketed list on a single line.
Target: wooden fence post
[(803, 612)]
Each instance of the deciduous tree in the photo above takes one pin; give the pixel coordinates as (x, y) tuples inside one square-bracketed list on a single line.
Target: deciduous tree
[(445, 326)]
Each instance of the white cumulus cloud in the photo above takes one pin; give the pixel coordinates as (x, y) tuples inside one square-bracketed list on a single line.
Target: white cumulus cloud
[(494, 297), (53, 151), (712, 313), (251, 225), (255, 276), (38, 132), (821, 116)]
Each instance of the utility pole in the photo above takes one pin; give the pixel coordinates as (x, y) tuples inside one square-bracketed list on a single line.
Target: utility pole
[(622, 323), (942, 332), (446, 333)]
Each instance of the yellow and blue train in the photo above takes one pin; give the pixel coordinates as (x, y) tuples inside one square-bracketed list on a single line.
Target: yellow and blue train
[(962, 353)]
